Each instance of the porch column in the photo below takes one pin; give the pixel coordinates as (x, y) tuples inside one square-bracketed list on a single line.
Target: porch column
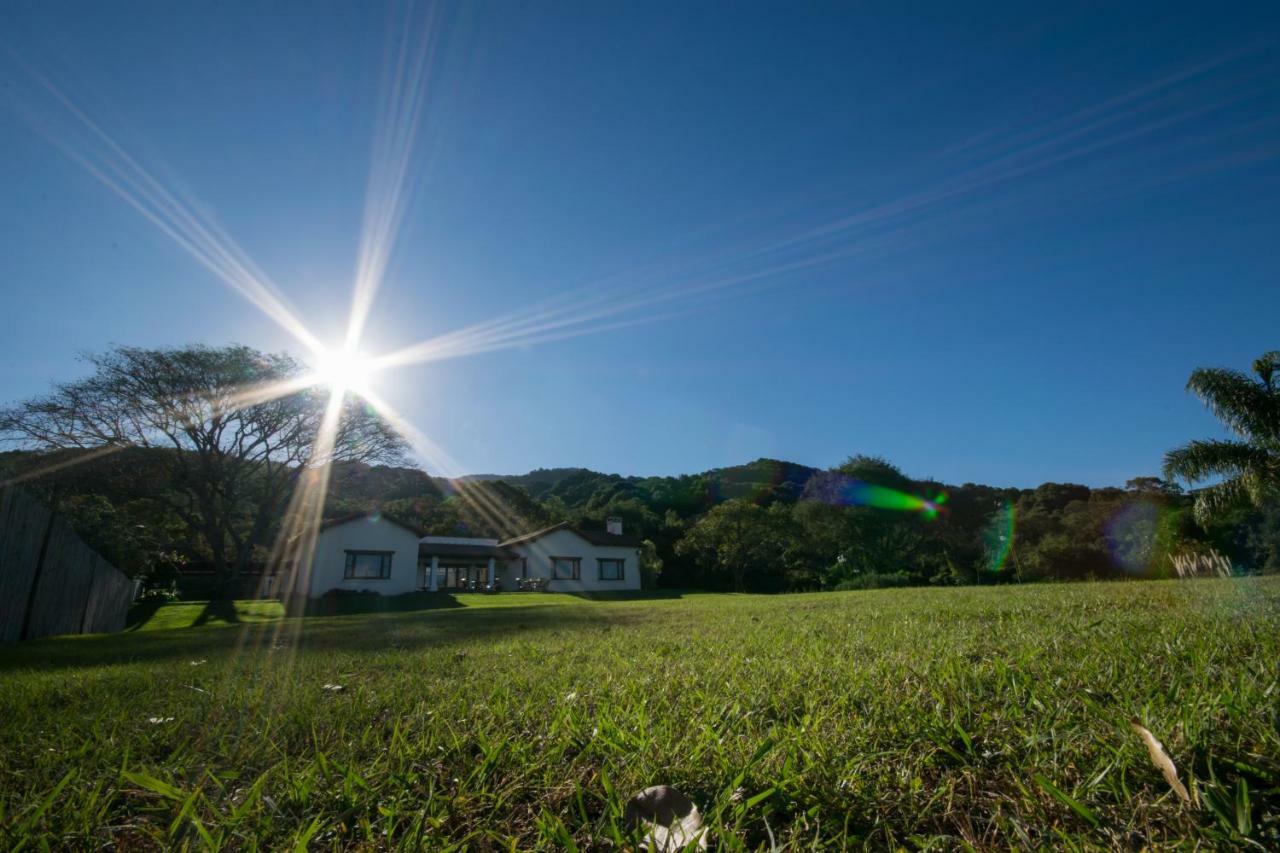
[(491, 577), (435, 568)]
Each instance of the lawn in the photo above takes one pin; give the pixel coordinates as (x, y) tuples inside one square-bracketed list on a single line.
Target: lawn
[(911, 718)]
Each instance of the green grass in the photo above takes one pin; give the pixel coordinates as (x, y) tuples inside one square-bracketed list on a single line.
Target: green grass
[(938, 718), (194, 614)]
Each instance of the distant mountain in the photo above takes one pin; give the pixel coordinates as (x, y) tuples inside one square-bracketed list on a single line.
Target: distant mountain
[(537, 482)]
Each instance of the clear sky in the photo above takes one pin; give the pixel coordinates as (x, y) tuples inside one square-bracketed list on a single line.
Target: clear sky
[(986, 242)]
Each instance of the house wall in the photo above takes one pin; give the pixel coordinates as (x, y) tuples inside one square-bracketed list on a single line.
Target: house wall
[(365, 534), (565, 543)]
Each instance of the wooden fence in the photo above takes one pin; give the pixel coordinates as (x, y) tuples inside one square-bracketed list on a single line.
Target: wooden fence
[(50, 581)]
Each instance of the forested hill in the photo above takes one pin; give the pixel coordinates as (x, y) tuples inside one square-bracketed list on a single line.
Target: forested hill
[(764, 480), (765, 525), (537, 482)]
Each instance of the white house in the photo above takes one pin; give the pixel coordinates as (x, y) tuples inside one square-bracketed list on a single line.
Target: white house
[(374, 553), (366, 552), (575, 559)]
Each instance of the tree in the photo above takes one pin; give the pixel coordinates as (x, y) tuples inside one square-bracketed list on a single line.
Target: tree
[(1249, 465), (235, 446), (874, 469), (731, 540), (1153, 487), (650, 565)]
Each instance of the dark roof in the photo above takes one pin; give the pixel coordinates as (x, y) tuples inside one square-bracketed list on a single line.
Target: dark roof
[(594, 537), (469, 552), (347, 519)]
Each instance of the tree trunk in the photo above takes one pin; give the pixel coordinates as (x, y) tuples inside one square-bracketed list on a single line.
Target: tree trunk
[(222, 570)]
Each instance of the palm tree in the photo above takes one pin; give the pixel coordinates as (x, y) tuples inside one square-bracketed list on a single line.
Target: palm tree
[(1249, 465)]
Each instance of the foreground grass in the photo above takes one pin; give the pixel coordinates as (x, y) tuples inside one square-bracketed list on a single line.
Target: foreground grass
[(909, 718)]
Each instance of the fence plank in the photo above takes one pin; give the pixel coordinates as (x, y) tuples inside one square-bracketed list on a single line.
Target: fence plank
[(51, 582), (62, 589), (23, 522), (109, 599)]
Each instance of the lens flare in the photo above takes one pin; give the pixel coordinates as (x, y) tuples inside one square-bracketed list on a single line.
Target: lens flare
[(1132, 536), (858, 493), (998, 536)]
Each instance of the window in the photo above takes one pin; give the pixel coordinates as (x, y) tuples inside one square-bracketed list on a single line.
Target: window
[(611, 570), (566, 568), (368, 565)]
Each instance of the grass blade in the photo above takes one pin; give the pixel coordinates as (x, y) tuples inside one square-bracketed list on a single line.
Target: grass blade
[(1068, 800)]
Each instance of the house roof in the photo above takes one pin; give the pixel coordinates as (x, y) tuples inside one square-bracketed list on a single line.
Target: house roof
[(455, 551), (374, 516), (594, 537)]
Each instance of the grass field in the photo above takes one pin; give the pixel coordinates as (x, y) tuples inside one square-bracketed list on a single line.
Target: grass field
[(916, 718)]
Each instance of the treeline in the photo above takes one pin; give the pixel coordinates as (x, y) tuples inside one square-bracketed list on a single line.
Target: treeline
[(766, 526), (775, 526), (166, 465)]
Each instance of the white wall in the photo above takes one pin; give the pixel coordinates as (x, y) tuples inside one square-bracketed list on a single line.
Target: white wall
[(365, 534), (565, 543)]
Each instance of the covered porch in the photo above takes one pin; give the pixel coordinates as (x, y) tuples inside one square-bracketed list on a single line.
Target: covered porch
[(447, 564)]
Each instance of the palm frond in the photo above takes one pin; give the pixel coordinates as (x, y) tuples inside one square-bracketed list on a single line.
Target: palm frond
[(1249, 408), (1267, 366), (1200, 460), (1214, 500)]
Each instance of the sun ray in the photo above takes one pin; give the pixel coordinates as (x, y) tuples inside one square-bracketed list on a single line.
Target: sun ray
[(80, 458), (198, 406), (392, 172), (544, 326), (106, 160), (495, 512), (293, 552)]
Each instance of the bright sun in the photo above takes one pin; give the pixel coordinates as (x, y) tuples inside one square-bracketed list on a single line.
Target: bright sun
[(344, 370)]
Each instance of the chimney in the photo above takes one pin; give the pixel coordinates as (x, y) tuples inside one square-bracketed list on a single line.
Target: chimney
[(613, 525)]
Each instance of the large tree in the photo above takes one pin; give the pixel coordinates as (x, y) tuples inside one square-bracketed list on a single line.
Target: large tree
[(735, 539), (1249, 464), (238, 427)]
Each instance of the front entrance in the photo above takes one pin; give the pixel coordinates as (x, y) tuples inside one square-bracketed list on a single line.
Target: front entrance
[(469, 577), (456, 577)]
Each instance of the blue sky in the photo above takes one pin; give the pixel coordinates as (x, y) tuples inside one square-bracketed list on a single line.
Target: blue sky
[(986, 243)]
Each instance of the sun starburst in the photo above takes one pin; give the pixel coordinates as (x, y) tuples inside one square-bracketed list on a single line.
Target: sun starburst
[(344, 370)]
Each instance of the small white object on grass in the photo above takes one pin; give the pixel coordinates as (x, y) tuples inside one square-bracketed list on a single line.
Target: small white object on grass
[(334, 688), (1162, 761), (670, 819)]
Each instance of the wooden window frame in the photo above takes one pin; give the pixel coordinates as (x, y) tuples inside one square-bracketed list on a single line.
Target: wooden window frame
[(577, 568), (348, 569), (622, 568)]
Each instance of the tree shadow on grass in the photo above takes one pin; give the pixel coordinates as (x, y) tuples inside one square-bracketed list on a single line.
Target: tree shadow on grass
[(141, 613), (364, 633), (629, 594), (219, 610), (344, 605)]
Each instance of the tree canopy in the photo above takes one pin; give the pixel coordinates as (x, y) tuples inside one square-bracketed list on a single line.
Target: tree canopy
[(237, 428), (1248, 466)]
